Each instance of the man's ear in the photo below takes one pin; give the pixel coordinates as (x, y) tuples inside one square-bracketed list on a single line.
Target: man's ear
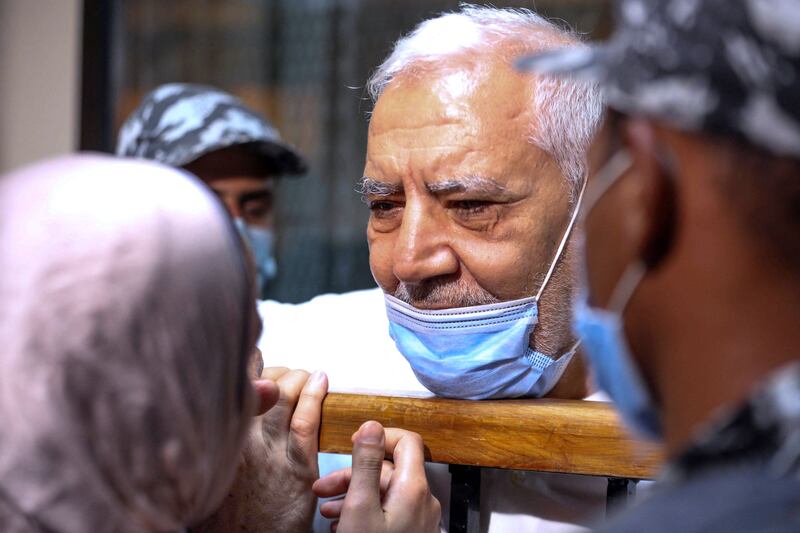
[(654, 168)]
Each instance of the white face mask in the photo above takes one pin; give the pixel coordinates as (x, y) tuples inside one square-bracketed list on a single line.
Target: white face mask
[(479, 352)]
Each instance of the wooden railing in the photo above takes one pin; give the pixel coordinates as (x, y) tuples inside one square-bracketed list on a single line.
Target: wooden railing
[(565, 436), (569, 436)]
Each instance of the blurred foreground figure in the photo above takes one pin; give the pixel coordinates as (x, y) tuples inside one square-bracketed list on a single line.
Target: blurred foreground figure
[(124, 395), (233, 149), (125, 401), (692, 252)]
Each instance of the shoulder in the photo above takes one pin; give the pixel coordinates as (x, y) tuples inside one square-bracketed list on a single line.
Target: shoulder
[(740, 500), (331, 332), (356, 301)]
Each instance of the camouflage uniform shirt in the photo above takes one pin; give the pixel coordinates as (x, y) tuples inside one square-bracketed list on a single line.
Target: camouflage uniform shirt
[(741, 474)]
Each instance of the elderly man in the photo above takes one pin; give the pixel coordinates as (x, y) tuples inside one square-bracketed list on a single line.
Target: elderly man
[(472, 174), (693, 262), (233, 149)]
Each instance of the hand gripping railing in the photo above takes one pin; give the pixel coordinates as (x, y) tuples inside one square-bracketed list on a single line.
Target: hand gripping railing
[(564, 436)]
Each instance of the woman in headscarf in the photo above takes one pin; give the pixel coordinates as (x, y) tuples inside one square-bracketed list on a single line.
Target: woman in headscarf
[(127, 320)]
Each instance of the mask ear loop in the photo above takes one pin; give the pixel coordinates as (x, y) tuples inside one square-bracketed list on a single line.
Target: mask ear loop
[(633, 275), (626, 286), (572, 219), (664, 236), (606, 177), (612, 170)]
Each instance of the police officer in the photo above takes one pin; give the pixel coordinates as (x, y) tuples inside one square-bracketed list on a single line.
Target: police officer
[(233, 149)]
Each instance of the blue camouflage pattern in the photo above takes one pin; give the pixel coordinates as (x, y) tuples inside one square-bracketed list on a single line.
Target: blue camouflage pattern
[(726, 67), (179, 122)]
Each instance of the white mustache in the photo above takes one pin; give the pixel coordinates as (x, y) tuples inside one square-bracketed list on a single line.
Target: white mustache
[(438, 293)]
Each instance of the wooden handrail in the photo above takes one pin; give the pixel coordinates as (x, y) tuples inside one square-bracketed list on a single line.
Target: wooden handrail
[(568, 436)]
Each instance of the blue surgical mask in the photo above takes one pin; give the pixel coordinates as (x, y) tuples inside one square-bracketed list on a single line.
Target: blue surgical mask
[(479, 352), (261, 242), (602, 331)]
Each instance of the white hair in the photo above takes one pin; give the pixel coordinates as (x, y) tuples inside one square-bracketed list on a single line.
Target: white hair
[(566, 112)]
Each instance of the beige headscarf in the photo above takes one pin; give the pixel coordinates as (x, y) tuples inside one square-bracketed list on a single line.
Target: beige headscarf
[(126, 320)]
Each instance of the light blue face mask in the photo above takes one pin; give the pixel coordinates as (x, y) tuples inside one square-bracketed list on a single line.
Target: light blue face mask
[(261, 243), (602, 331), (479, 352)]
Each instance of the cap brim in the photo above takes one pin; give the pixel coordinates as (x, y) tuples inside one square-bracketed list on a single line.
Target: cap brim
[(285, 159), (279, 158), (581, 62)]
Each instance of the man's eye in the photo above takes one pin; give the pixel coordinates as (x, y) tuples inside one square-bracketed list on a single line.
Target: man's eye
[(471, 207), (257, 208), (382, 208)]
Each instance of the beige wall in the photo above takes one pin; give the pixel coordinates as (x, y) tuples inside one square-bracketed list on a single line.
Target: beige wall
[(39, 79)]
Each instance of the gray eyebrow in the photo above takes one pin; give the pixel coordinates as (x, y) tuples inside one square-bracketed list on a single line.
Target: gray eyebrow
[(466, 184), (372, 187)]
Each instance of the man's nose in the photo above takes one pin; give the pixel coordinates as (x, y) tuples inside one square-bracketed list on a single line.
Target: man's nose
[(423, 249), (232, 206)]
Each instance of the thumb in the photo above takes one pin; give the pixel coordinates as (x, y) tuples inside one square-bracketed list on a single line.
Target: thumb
[(268, 394), (364, 492)]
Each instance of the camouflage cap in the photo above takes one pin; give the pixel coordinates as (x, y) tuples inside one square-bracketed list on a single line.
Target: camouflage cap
[(179, 122), (726, 67)]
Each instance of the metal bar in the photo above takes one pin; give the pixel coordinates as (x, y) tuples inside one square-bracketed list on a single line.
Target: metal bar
[(620, 494), (97, 75), (465, 499)]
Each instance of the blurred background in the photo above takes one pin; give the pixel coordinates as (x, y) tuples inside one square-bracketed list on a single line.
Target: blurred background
[(72, 70)]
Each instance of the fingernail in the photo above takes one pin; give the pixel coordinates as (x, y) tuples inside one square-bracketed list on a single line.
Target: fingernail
[(370, 433), (317, 377)]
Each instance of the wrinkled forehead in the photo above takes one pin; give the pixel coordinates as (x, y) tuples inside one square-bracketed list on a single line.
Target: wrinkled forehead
[(474, 118), (483, 90)]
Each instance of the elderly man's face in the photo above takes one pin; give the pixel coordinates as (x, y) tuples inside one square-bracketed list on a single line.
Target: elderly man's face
[(464, 210)]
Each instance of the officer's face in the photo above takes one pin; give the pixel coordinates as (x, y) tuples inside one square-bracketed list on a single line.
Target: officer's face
[(237, 177)]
